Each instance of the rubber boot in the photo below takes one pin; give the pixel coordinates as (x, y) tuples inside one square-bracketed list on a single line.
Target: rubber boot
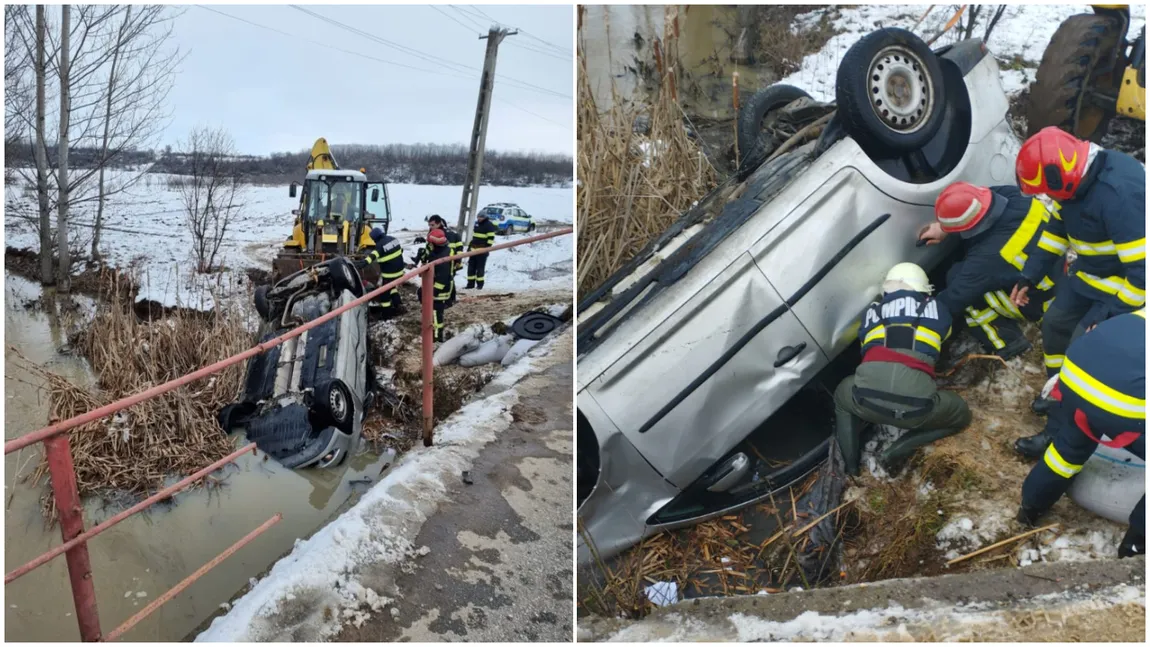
[(1016, 347), (1134, 543), (470, 285), (896, 456), (1028, 516), (1033, 446), (848, 432), (1042, 406)]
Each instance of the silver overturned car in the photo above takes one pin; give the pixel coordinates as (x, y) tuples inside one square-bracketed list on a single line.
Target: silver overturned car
[(304, 401), (706, 365)]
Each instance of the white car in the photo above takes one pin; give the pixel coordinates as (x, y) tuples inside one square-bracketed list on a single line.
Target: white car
[(706, 365)]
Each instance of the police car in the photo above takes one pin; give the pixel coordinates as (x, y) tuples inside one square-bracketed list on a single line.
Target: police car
[(509, 218)]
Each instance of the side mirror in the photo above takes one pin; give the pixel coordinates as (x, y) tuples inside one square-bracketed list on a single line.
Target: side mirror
[(291, 190), (375, 195), (295, 212)]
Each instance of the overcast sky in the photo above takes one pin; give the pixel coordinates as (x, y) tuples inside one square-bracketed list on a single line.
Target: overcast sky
[(274, 92)]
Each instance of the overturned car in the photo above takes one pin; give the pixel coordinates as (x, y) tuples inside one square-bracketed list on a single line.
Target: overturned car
[(705, 365), (304, 401)]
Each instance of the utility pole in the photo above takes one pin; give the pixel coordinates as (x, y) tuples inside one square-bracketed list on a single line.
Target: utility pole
[(479, 134)]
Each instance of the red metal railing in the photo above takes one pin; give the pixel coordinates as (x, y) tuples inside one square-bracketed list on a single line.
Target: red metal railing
[(63, 475)]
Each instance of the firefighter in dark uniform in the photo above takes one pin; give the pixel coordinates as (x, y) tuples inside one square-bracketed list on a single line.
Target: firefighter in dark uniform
[(442, 279), (1101, 390), (1102, 219), (482, 236), (901, 337), (389, 254), (1000, 229), (454, 246)]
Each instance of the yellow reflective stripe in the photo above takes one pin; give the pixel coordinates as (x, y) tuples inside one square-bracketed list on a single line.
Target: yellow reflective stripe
[(1058, 465), (440, 286), (1108, 285), (1045, 283), (1013, 251), (1132, 251), (1100, 395), (1131, 295), (1053, 361), (928, 337), (1141, 312), (878, 333), (982, 320), (394, 255), (1052, 243), (1100, 248), (479, 235), (1001, 303), (392, 275)]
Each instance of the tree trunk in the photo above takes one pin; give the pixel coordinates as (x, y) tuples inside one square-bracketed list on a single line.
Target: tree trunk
[(65, 272), (107, 127), (41, 149)]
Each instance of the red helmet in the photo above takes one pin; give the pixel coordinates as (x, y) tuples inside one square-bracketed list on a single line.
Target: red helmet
[(1052, 162), (961, 206), (437, 237)]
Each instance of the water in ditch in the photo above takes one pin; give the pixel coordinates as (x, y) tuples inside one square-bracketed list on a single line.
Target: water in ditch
[(142, 557)]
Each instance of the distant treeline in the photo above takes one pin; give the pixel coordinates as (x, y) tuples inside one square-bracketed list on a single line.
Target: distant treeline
[(400, 163)]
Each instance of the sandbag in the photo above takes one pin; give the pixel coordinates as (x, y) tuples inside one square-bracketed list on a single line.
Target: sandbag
[(518, 351), (489, 352), (466, 341), (1110, 484)]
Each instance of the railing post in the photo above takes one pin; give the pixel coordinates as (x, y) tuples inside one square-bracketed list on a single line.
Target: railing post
[(71, 514), (428, 292)]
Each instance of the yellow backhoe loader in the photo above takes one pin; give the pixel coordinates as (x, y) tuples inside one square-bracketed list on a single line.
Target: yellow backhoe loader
[(1089, 74), (337, 210)]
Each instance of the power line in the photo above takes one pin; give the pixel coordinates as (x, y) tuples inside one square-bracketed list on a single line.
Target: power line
[(473, 30), (522, 109), (549, 44), (544, 52), (427, 57), (457, 21)]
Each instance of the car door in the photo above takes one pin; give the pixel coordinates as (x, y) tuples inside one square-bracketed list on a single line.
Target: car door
[(829, 256), (709, 374)]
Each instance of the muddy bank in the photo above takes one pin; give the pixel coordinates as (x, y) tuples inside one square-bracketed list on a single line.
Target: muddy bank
[(1092, 601)]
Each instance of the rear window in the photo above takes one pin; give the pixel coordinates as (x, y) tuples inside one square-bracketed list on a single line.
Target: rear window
[(495, 211)]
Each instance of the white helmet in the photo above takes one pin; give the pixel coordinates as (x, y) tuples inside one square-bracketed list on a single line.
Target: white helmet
[(907, 276)]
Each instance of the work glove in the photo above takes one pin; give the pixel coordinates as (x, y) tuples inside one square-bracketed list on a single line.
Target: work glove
[(1027, 516), (1134, 543)]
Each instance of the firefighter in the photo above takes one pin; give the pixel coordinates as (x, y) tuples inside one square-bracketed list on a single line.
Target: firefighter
[(1000, 228), (481, 237), (902, 337), (454, 246), (389, 254), (1102, 197), (442, 279), (1101, 390)]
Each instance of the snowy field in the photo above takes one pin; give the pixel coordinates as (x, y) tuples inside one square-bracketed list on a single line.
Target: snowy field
[(145, 229), (1022, 33)]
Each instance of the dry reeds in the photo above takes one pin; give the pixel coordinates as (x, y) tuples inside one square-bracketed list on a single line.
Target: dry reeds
[(632, 186), (176, 434)]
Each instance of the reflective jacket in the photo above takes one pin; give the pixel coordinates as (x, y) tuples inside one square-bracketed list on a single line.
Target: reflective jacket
[(905, 320), (995, 256), (483, 235), (1104, 376), (443, 273), (389, 254), (454, 246), (1106, 228)]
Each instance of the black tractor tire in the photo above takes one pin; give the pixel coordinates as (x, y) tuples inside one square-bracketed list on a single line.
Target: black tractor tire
[(333, 402), (908, 65), (1066, 75), (753, 145), (344, 276), (263, 307)]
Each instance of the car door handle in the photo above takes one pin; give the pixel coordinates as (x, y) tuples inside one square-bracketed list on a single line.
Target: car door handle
[(789, 352)]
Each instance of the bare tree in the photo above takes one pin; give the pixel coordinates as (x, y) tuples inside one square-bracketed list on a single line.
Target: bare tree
[(64, 284), (46, 275), (19, 90), (211, 192)]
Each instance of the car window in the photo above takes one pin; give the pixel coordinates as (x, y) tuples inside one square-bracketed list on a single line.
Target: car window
[(377, 209)]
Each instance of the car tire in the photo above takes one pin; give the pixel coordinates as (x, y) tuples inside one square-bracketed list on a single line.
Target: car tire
[(263, 307), (1064, 78), (344, 276), (890, 92), (753, 147), (233, 414), (334, 402)]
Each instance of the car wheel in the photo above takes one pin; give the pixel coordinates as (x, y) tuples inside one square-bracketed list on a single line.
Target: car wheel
[(263, 307), (344, 276), (754, 114), (335, 402), (890, 92), (1066, 77), (233, 415)]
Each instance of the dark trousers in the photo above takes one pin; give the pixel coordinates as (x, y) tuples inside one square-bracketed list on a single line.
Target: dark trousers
[(476, 266), (1063, 316), (1051, 477), (438, 305), (387, 304), (995, 320)]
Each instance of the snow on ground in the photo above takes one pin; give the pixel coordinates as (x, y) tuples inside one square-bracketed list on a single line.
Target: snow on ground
[(1017, 41), (146, 229), (314, 591)]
